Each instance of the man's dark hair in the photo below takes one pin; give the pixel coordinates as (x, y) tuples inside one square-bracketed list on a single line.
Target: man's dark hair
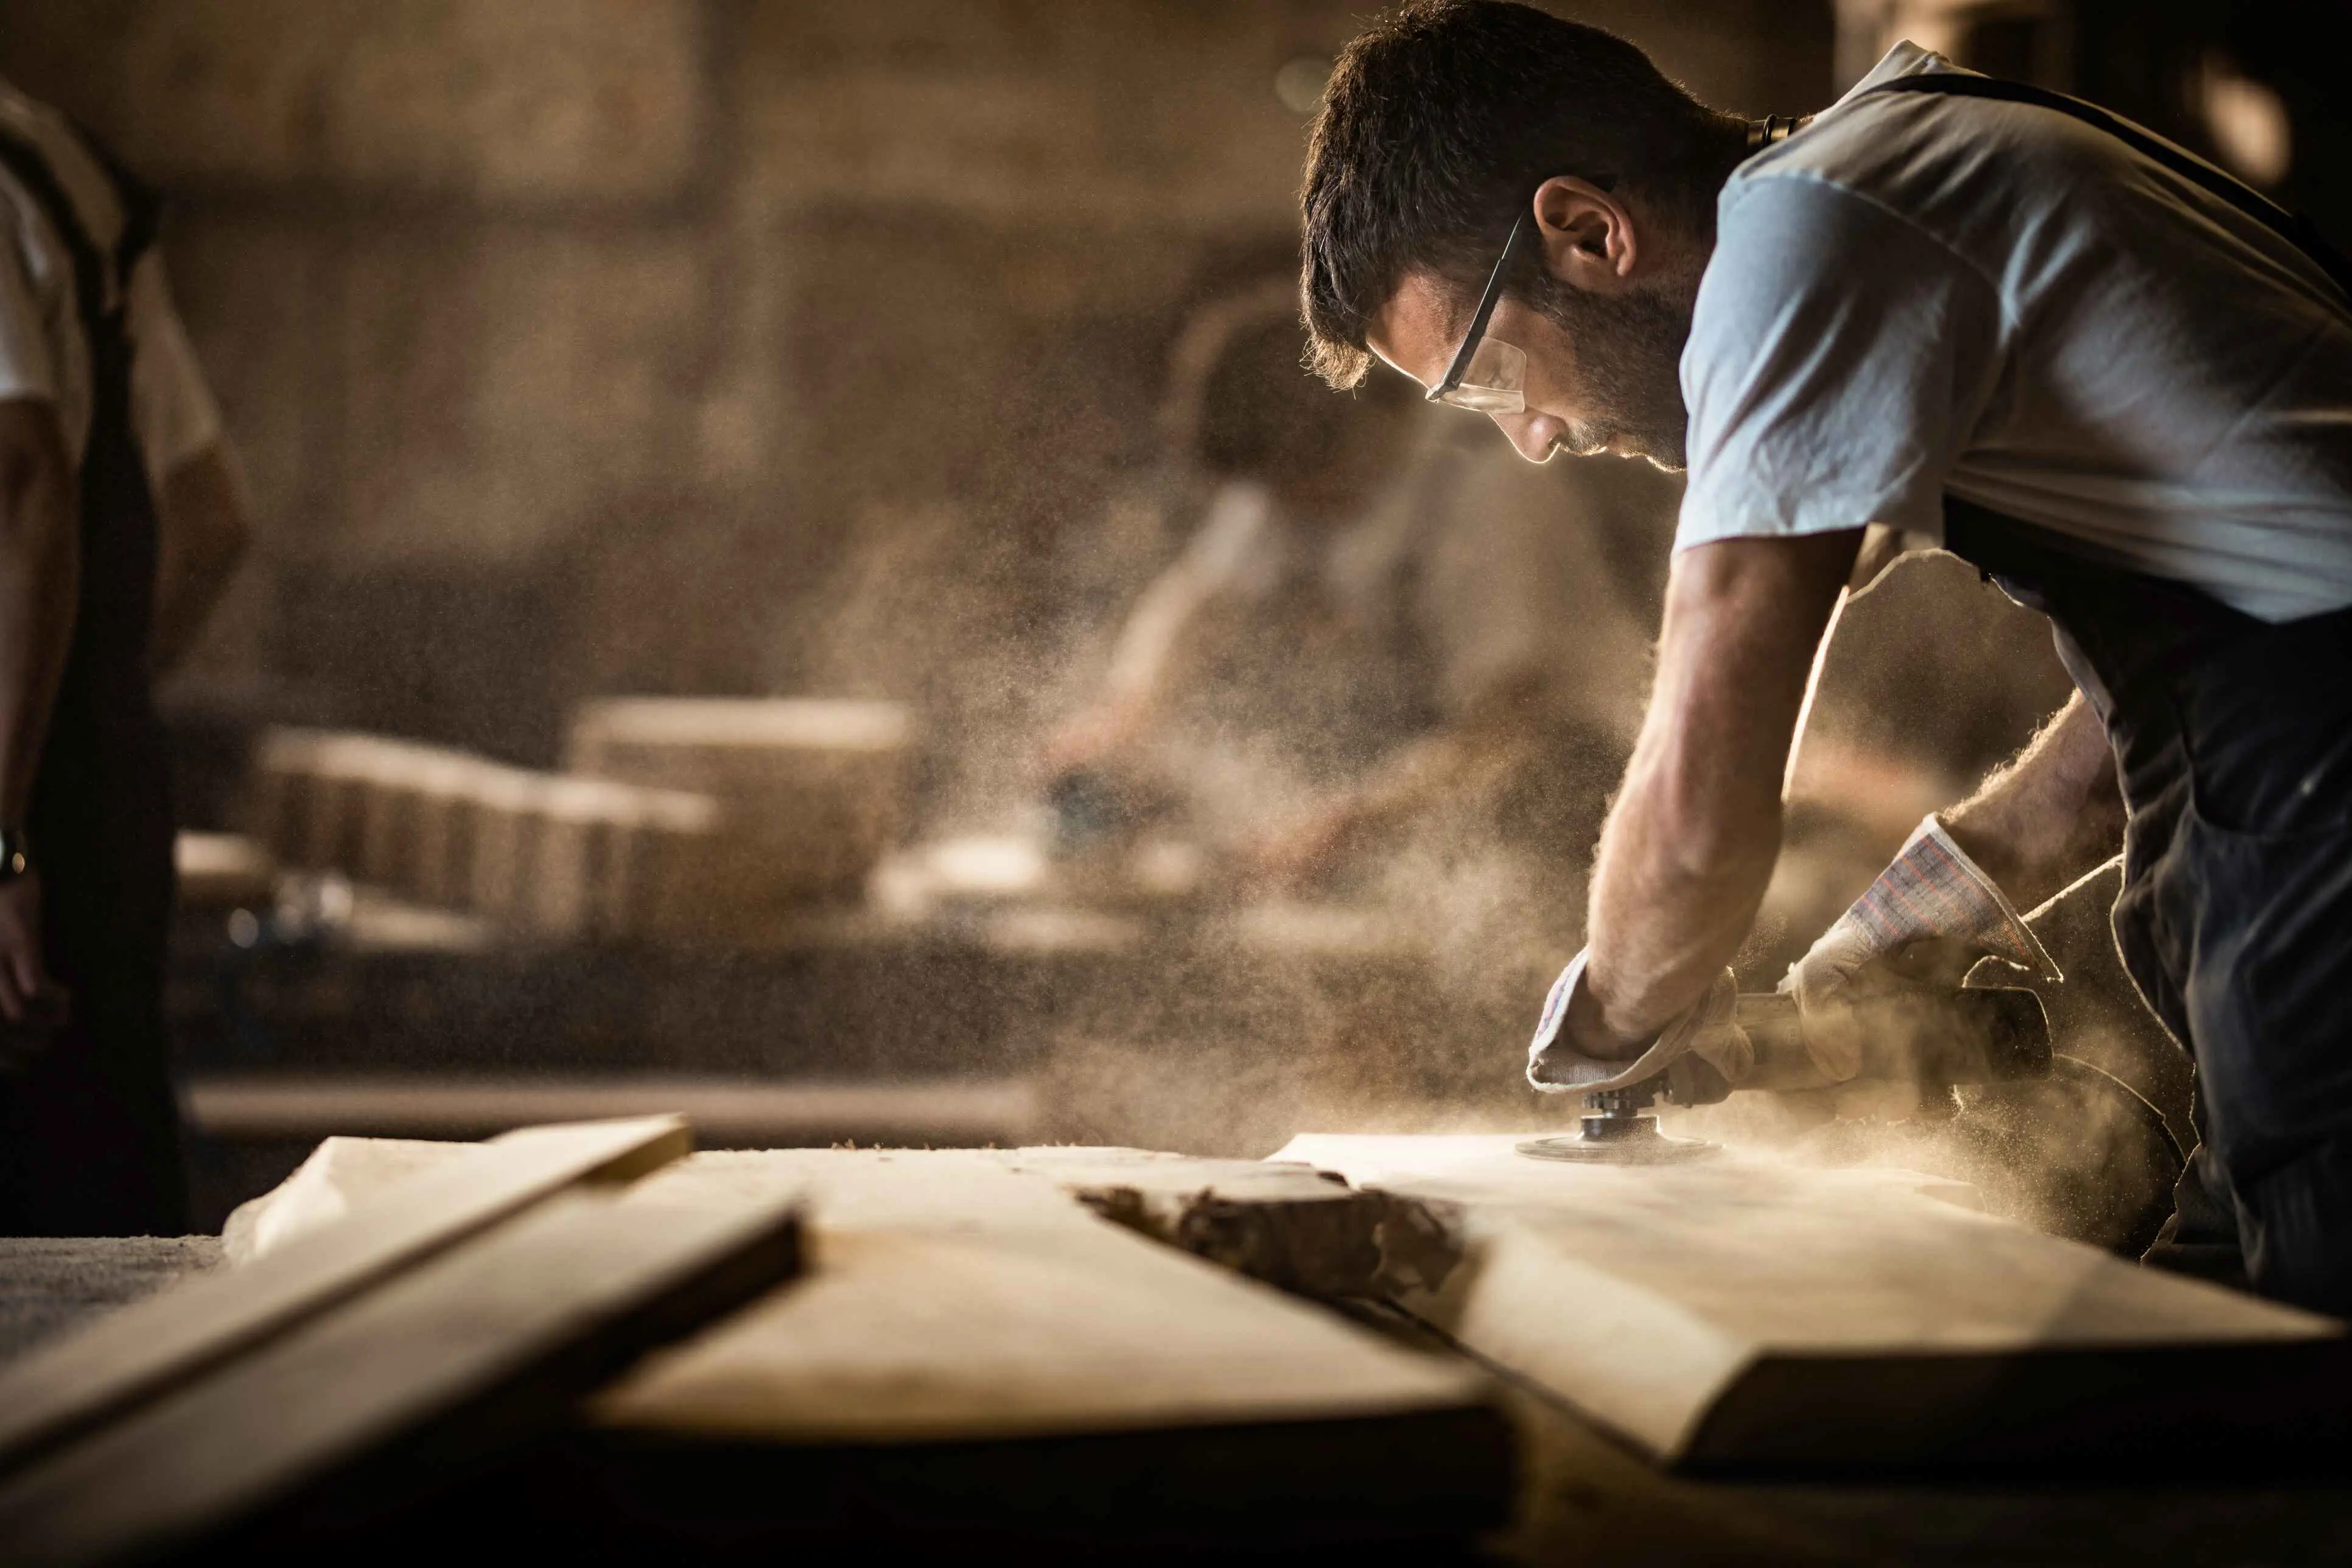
[(1439, 124)]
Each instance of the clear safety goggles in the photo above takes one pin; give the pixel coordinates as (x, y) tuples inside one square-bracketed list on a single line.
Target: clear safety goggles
[(1488, 375), (1493, 382)]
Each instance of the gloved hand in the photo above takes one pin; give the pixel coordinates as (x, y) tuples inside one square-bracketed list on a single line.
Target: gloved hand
[(1934, 907), (1706, 1030)]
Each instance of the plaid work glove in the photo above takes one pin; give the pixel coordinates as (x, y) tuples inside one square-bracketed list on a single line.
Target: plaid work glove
[(1932, 892), (1706, 1031)]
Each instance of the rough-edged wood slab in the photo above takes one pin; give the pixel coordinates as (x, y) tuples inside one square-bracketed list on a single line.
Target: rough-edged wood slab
[(956, 1297), (1741, 1313), (964, 1320), (145, 1350), (979, 1349), (1289, 1225), (404, 1389)]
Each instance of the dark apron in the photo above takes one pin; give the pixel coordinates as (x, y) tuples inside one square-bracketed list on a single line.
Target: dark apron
[(2234, 745), (90, 1130)]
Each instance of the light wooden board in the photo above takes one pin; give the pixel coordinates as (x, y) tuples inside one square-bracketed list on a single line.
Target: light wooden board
[(976, 1353), (136, 1355), (975, 1293), (404, 1389), (1743, 1312), (1290, 1225), (956, 1297)]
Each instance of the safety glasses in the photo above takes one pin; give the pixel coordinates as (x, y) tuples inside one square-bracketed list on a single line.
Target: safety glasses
[(1488, 376)]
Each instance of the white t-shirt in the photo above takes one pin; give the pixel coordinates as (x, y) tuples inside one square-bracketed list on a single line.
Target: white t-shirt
[(1921, 293), (43, 352)]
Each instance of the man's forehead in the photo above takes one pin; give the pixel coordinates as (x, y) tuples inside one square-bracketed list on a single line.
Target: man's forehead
[(1417, 330)]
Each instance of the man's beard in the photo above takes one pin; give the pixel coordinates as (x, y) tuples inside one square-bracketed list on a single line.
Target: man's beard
[(1629, 350)]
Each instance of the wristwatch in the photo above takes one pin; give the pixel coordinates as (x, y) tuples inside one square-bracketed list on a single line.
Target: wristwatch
[(16, 854)]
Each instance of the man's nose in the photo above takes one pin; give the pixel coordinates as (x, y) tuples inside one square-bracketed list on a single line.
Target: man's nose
[(1536, 436)]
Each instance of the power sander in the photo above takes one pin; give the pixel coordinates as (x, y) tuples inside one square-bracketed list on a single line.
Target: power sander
[(1930, 1038)]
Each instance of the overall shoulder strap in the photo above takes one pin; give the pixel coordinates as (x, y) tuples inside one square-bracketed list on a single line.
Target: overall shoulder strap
[(31, 170), (2292, 226)]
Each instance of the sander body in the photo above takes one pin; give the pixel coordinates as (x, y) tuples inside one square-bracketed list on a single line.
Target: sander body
[(1934, 1039)]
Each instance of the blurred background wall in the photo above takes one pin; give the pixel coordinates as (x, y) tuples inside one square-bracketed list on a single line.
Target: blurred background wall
[(658, 345)]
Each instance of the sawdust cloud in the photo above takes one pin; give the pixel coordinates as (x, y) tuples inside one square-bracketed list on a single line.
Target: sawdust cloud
[(1398, 996)]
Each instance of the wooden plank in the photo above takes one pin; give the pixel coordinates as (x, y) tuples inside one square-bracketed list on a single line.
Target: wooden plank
[(976, 1347), (979, 1359), (1292, 1227), (1043, 1296), (404, 1389), (962, 1297), (1739, 1312), (144, 1350)]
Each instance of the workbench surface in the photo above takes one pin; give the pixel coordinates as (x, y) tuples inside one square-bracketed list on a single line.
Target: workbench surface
[(1587, 1499)]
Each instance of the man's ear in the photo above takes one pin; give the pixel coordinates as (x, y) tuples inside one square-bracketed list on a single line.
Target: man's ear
[(1589, 238)]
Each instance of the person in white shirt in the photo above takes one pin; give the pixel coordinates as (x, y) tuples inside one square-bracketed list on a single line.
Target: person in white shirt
[(1945, 311), (120, 519)]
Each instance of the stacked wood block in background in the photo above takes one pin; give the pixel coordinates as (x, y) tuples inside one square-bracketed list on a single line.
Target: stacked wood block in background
[(818, 786), (679, 818)]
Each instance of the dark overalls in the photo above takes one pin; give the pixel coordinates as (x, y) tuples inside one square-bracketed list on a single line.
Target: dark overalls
[(2234, 745), (89, 1130)]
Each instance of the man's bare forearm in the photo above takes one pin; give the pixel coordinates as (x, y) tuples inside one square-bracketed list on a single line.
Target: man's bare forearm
[(1689, 846), (2050, 814), (203, 526)]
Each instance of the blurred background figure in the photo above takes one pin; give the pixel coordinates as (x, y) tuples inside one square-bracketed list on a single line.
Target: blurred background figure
[(1377, 638), (119, 522)]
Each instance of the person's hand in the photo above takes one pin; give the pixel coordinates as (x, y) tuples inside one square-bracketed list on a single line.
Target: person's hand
[(1573, 1053), (1926, 921)]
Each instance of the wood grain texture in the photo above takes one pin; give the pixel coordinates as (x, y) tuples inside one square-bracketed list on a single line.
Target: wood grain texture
[(954, 1297), (1290, 1225), (144, 1350), (1738, 1312), (974, 1353), (403, 1390)]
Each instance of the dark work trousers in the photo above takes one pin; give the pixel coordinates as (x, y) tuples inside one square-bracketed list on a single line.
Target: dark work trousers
[(2234, 743), (89, 1128)]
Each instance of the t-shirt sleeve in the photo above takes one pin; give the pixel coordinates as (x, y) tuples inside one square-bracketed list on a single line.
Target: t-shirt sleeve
[(27, 369), (171, 409), (1839, 359)]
